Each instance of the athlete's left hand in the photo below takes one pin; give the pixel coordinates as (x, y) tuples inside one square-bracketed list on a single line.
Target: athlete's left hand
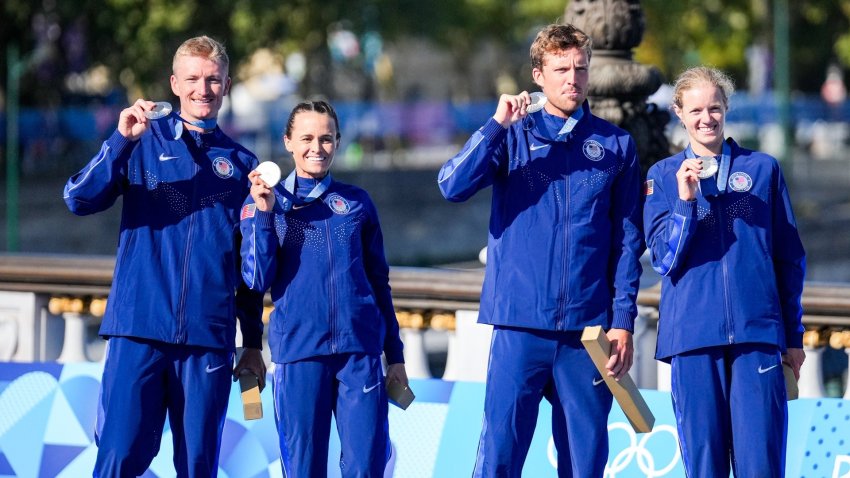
[(397, 373), (622, 353), (794, 358), (251, 362)]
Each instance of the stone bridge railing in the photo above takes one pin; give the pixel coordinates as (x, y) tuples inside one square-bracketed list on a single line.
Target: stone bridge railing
[(50, 306)]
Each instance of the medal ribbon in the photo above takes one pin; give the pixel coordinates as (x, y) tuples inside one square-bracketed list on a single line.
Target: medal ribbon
[(206, 124), (289, 185), (571, 122)]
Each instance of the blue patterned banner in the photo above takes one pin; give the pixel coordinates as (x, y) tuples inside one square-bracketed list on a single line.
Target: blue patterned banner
[(47, 414)]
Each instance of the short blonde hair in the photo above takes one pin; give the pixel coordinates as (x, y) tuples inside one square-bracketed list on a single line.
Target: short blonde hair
[(205, 47), (697, 75)]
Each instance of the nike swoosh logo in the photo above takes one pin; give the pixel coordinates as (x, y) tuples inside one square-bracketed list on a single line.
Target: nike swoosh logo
[(597, 382), (763, 370), (299, 206), (213, 369), (369, 389), (535, 147), (163, 157)]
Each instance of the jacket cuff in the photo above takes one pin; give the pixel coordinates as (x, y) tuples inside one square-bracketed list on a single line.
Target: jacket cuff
[(492, 130), (623, 319), (685, 208), (264, 219), (793, 340), (394, 357), (252, 342), (120, 144)]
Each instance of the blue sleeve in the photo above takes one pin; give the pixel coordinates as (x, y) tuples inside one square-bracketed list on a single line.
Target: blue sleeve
[(378, 274), (475, 166), (97, 186), (259, 246), (249, 311), (627, 241), (668, 231), (789, 262)]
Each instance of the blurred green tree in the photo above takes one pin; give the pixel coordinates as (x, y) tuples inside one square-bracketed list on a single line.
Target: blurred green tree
[(134, 39), (721, 32)]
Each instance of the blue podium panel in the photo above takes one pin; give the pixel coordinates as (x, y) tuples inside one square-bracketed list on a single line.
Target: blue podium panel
[(47, 414)]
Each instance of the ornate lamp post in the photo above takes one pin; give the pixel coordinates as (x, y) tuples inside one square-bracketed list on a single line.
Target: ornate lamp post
[(619, 86)]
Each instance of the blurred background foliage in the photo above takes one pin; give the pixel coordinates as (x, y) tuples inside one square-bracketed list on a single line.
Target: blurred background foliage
[(722, 32), (128, 44)]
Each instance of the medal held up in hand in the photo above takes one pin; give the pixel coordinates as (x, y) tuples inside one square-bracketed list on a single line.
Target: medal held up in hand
[(160, 110), (709, 167), (538, 100)]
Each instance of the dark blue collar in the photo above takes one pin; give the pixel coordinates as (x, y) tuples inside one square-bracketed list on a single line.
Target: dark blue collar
[(289, 185)]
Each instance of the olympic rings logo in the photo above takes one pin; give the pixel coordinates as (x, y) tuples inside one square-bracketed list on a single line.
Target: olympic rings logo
[(839, 471), (636, 450)]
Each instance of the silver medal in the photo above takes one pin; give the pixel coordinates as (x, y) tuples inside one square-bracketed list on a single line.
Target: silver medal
[(709, 167), (269, 173), (538, 99), (160, 110)]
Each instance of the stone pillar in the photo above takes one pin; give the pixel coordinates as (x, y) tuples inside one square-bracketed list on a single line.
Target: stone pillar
[(644, 370), (811, 373), (28, 333), (619, 86), (847, 390), (469, 349), (412, 325)]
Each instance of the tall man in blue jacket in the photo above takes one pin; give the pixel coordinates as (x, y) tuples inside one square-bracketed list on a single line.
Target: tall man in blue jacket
[(171, 315), (563, 253)]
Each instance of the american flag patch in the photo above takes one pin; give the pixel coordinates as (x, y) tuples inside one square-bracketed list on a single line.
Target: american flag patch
[(648, 187), (247, 211)]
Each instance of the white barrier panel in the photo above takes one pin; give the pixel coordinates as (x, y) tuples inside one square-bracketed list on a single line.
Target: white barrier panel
[(415, 357), (37, 334), (811, 380), (644, 372), (664, 379), (8, 337), (847, 391), (469, 349), (74, 345)]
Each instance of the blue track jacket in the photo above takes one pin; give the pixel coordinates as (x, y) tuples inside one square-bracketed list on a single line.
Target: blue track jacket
[(176, 271), (565, 234), (328, 275), (732, 265)]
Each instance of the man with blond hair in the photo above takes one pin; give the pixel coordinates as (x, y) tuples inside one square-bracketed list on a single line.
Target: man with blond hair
[(171, 317)]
